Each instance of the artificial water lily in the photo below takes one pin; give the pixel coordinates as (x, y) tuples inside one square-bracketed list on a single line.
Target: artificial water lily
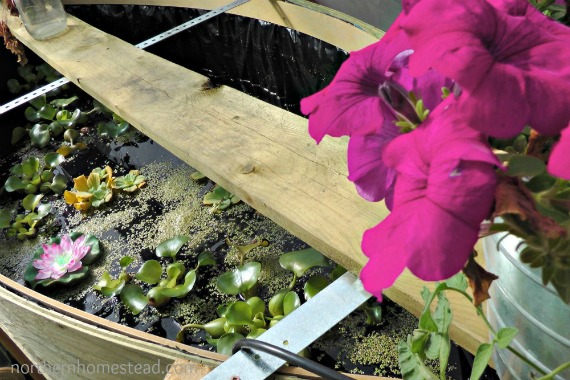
[(444, 190), (508, 63), (59, 259)]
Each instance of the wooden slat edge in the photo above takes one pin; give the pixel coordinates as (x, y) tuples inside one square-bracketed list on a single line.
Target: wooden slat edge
[(317, 21)]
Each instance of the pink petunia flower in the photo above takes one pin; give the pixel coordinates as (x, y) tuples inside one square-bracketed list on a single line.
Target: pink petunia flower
[(507, 58), (353, 105), (559, 160), (444, 190), (59, 259)]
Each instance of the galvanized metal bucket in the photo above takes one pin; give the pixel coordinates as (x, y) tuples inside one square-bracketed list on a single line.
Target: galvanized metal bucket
[(518, 299)]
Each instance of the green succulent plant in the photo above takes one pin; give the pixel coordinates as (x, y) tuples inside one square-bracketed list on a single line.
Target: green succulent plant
[(130, 182), (94, 190), (31, 176), (220, 199)]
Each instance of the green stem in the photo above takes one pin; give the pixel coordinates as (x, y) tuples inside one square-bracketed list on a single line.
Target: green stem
[(192, 326), (494, 333), (293, 282), (555, 372)]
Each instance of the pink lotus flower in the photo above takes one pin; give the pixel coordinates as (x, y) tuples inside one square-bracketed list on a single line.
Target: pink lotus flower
[(559, 160), (59, 259), (444, 190), (508, 59)]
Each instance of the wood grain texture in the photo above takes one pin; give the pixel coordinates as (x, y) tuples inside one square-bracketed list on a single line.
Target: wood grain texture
[(64, 348), (341, 30), (257, 151)]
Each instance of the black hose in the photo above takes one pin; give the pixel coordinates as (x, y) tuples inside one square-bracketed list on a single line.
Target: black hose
[(290, 357)]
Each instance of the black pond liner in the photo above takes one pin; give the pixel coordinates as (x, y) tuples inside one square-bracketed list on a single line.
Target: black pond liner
[(264, 60), (270, 62)]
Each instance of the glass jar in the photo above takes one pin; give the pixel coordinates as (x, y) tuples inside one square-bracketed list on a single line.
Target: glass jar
[(42, 18)]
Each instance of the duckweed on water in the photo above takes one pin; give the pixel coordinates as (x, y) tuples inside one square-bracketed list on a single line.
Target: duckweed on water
[(170, 204)]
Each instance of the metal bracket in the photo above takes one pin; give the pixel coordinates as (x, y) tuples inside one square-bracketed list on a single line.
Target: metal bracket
[(296, 331), (143, 45)]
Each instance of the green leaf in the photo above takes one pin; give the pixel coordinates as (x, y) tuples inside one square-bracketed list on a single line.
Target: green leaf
[(299, 262), (239, 313), (14, 183), (373, 313), (174, 271), (337, 272), (481, 360), (94, 251), (38, 102), (31, 114), (30, 202), (459, 281), (149, 272), (40, 135), (47, 112), (412, 366), (314, 285), (240, 279), (183, 289), (276, 302), (525, 166), (156, 298), (108, 286), (62, 103), (255, 333), (215, 327), (30, 166), (58, 184), (18, 134), (257, 305), (134, 298), (170, 247), (505, 336), (196, 176), (226, 343), (5, 218), (291, 302), (206, 258), (53, 159), (126, 261), (540, 183)]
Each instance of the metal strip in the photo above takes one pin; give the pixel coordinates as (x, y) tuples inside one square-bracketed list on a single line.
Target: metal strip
[(295, 332), (143, 45)]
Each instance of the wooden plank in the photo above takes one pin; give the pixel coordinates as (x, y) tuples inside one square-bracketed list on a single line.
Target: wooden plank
[(258, 151), (341, 30), (65, 348), (19, 356)]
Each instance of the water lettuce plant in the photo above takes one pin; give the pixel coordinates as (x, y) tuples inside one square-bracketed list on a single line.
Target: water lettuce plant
[(94, 190), (30, 175), (220, 199), (64, 260), (129, 182)]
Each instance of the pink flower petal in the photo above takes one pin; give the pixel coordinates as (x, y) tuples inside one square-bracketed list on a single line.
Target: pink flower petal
[(507, 65), (559, 161), (444, 190)]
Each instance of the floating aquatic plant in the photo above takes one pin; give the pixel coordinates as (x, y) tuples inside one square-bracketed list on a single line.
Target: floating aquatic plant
[(24, 225), (130, 182), (30, 176), (64, 260), (220, 199), (31, 76), (94, 190), (175, 282)]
